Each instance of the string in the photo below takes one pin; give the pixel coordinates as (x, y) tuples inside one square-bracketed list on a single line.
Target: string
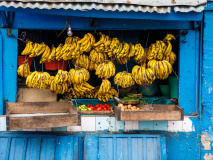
[(42, 66), (147, 39), (34, 64), (63, 29)]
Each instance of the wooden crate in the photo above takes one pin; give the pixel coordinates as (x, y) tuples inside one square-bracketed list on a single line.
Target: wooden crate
[(159, 113), (97, 112), (36, 95), (27, 115)]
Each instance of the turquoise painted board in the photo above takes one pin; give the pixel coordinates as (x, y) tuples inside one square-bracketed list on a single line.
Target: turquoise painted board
[(33, 149), (18, 148), (5, 148)]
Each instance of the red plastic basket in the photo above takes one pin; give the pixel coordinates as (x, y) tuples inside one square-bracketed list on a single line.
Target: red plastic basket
[(54, 65), (21, 59)]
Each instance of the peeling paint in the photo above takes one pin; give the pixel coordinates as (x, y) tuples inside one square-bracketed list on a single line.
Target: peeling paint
[(205, 142), (208, 156)]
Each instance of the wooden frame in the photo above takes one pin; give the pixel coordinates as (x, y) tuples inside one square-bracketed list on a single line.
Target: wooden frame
[(97, 113), (27, 115), (159, 113)]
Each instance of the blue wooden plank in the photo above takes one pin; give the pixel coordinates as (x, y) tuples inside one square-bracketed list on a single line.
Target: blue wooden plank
[(64, 148), (1, 76), (47, 149), (150, 149), (144, 148), (122, 148), (187, 73), (5, 148), (163, 148), (18, 148), (129, 148), (91, 147), (103, 148), (80, 148), (190, 16), (33, 149), (36, 21), (10, 56), (137, 148)]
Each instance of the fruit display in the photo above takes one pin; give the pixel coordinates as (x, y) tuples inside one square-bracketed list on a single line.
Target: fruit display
[(83, 108), (97, 107), (39, 80), (124, 79), (161, 69), (128, 107), (105, 70), (143, 76), (78, 75), (24, 70), (155, 62)]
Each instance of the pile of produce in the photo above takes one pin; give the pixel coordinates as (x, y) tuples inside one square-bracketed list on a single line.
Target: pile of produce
[(97, 107), (128, 107)]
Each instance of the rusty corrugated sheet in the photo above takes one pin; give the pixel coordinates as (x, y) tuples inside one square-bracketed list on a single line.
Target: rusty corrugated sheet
[(163, 6)]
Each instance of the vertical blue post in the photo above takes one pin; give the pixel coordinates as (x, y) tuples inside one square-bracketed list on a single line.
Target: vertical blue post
[(1, 77), (8, 65), (91, 147)]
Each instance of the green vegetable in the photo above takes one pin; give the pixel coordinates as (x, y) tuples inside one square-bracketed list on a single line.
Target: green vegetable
[(143, 102), (129, 99)]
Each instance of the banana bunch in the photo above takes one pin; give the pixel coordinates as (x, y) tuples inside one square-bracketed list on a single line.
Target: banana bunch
[(123, 50), (105, 87), (171, 58), (105, 97), (131, 51), (97, 57), (123, 79), (61, 77), (28, 49), (161, 69), (122, 60), (103, 44), (92, 93), (39, 80), (66, 51), (143, 76), (83, 87), (93, 66), (59, 88), (38, 49), (52, 55), (113, 47), (169, 37), (83, 61), (157, 50), (71, 94), (77, 76), (85, 44), (45, 55), (105, 69), (24, 70), (140, 54)]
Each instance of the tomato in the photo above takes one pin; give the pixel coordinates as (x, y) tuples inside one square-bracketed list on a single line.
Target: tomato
[(105, 105), (92, 108), (88, 105), (98, 109), (97, 105), (104, 109), (101, 105)]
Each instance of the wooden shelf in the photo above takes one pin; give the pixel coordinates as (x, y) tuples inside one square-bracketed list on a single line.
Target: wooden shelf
[(27, 115), (159, 113), (97, 112)]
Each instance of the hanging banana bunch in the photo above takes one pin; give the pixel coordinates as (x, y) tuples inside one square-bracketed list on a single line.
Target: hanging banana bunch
[(143, 76), (28, 49), (122, 60), (83, 87), (171, 58), (78, 75), (24, 70), (61, 77), (39, 80), (52, 55), (38, 49), (124, 79), (83, 61), (140, 55), (93, 66), (105, 70), (97, 57), (105, 87), (85, 44), (113, 47), (59, 88), (45, 55), (161, 69)]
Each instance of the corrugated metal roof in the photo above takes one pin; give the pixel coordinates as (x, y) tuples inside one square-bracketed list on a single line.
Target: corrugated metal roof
[(163, 6)]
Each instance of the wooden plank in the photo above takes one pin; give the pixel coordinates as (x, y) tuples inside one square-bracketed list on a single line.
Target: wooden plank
[(40, 107), (157, 114), (45, 121), (36, 95), (18, 148), (5, 144), (97, 112), (33, 149), (47, 149)]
